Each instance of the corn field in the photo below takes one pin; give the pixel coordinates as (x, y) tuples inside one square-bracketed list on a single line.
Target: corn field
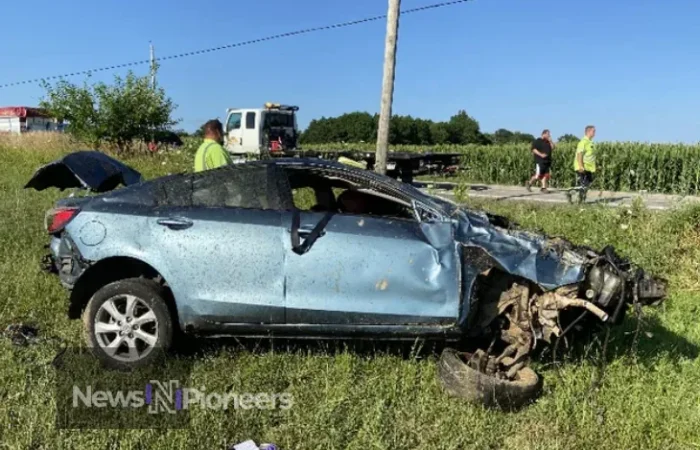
[(622, 166)]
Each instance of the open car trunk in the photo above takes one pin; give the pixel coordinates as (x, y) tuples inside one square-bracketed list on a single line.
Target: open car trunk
[(88, 169)]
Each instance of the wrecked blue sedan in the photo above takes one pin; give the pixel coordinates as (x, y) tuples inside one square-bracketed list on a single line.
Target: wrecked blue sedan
[(312, 248)]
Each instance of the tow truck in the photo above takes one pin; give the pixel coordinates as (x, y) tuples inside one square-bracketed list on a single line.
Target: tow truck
[(257, 131), (271, 131)]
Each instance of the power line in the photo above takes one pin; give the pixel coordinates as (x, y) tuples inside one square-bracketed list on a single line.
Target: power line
[(239, 44)]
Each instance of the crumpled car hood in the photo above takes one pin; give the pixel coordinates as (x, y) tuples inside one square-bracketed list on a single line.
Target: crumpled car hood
[(549, 262), (86, 170)]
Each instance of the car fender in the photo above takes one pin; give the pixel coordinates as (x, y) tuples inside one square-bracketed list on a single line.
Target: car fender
[(125, 237)]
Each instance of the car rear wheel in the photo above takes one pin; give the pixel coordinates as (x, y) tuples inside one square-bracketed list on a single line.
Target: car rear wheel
[(127, 323), (461, 380)]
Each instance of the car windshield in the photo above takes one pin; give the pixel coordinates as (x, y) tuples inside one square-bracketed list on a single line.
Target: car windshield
[(442, 206)]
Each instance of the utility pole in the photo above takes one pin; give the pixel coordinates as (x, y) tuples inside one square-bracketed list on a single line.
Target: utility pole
[(392, 34), (153, 86), (153, 67)]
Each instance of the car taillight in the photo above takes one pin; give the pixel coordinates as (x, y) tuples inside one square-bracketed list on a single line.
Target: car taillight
[(57, 218)]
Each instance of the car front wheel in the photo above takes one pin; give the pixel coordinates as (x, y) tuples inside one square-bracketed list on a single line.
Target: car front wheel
[(461, 379), (128, 324)]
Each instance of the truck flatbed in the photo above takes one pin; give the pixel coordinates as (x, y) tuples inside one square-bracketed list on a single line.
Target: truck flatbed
[(403, 165)]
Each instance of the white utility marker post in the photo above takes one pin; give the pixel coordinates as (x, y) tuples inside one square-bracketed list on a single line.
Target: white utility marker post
[(392, 34)]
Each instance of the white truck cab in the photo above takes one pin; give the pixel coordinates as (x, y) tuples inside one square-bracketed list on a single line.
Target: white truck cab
[(272, 128)]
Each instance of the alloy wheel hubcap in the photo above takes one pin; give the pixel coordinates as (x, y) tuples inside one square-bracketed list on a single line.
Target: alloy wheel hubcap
[(126, 328)]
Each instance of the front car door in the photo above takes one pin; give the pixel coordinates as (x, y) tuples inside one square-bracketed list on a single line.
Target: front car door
[(234, 132), (370, 270), (220, 237)]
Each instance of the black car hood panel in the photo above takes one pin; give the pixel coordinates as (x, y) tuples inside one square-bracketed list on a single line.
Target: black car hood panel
[(84, 169)]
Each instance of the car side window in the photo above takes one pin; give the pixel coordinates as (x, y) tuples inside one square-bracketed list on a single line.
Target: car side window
[(363, 203), (250, 120), (234, 187), (319, 191), (234, 122)]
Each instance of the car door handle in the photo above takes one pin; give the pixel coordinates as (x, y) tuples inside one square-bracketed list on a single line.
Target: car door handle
[(305, 231), (175, 223)]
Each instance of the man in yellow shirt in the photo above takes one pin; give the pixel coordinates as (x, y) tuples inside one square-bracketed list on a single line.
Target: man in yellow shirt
[(211, 154), (584, 163)]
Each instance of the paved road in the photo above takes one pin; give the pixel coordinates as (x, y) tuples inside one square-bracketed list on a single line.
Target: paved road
[(519, 193)]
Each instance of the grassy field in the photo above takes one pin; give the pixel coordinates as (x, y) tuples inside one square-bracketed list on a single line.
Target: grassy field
[(374, 396)]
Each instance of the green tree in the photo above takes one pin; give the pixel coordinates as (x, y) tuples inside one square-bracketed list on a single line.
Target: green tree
[(568, 138), (199, 132), (403, 130), (439, 133), (502, 136), (463, 129), (350, 127), (118, 114), (519, 137), (423, 132), (362, 127)]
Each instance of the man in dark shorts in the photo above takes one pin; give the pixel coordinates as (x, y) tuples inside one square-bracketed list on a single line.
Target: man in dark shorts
[(542, 151)]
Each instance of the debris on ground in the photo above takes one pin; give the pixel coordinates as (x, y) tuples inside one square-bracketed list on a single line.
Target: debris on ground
[(21, 334), (250, 445)]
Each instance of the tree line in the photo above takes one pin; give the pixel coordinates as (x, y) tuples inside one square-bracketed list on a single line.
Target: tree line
[(460, 129), (132, 110)]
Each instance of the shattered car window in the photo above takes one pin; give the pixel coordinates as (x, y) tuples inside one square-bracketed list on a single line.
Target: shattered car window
[(252, 186), (232, 188), (322, 190), (305, 198)]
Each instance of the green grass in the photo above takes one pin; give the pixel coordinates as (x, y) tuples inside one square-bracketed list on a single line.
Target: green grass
[(371, 395)]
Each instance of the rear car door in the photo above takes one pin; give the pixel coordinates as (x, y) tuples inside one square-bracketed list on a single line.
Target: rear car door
[(219, 235), (370, 270), (250, 137)]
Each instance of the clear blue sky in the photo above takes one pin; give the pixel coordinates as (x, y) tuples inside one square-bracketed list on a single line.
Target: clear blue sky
[(631, 67)]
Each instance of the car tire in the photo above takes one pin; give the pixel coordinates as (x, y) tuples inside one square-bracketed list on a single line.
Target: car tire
[(461, 381), (147, 327)]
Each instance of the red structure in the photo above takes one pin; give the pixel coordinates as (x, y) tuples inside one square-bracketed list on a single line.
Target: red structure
[(22, 119), (22, 112)]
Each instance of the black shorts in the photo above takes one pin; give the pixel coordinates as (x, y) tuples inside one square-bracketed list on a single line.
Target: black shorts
[(585, 179), (542, 169)]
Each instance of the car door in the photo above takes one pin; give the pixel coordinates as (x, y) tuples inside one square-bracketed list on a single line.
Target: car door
[(250, 138), (234, 132), (368, 270), (219, 236)]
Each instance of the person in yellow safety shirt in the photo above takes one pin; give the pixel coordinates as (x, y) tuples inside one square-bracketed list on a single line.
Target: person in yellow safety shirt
[(211, 154), (584, 162)]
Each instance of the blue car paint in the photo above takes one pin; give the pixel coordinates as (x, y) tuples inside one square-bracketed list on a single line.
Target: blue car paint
[(371, 270), (237, 266), (528, 255), (226, 267)]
